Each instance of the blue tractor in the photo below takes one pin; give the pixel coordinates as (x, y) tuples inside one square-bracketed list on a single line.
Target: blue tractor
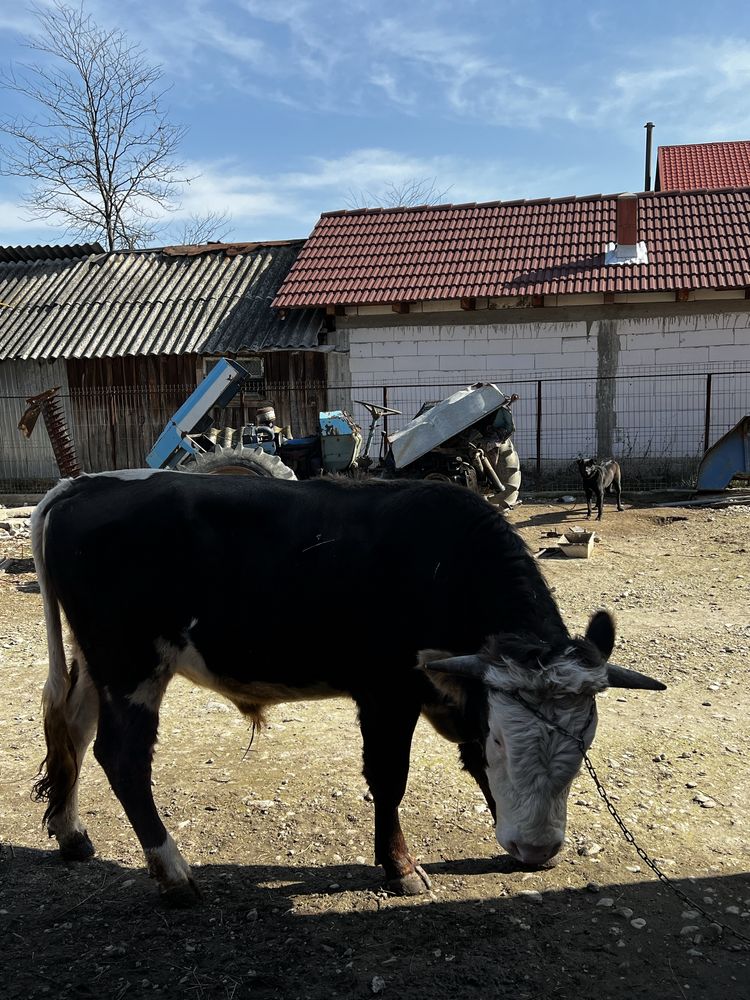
[(465, 439)]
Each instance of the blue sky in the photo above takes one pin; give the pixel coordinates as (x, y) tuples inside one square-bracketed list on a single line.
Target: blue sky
[(295, 107)]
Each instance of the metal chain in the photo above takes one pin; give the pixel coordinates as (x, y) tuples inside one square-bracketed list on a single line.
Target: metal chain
[(620, 822), (650, 862)]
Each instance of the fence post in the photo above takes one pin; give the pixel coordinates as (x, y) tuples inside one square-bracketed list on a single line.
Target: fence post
[(707, 424), (385, 416), (538, 429)]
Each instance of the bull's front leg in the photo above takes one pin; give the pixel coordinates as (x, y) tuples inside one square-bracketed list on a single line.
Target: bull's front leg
[(588, 504), (472, 758), (600, 502), (387, 732)]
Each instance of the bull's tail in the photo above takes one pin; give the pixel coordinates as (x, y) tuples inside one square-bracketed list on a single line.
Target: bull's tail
[(59, 769)]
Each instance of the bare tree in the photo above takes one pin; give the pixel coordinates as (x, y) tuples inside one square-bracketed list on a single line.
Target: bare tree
[(98, 149), (211, 227), (407, 194)]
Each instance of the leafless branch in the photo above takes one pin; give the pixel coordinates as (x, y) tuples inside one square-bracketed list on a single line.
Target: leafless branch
[(212, 227), (98, 148), (406, 194)]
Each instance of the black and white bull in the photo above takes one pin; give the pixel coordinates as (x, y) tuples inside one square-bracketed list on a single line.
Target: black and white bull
[(149, 567)]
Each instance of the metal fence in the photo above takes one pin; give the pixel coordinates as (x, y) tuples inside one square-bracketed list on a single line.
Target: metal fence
[(656, 423)]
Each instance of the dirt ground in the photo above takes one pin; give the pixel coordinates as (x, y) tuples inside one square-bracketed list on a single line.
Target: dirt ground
[(280, 836)]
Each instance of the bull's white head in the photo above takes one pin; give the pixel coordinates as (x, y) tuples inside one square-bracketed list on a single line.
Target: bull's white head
[(530, 704)]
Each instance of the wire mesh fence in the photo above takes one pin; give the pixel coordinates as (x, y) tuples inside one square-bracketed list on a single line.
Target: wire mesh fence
[(656, 423)]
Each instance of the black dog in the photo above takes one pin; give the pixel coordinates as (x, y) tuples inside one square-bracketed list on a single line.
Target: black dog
[(598, 477)]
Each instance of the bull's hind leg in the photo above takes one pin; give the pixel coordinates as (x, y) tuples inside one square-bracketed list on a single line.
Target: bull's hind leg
[(124, 747), (387, 732), (68, 729)]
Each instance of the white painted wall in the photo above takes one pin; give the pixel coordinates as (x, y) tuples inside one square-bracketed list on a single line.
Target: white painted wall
[(656, 416)]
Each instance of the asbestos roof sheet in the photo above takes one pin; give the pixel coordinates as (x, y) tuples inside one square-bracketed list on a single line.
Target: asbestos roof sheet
[(10, 254), (703, 165), (177, 300), (545, 247)]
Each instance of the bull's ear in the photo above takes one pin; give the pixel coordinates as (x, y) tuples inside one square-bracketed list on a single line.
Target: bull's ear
[(601, 632), (449, 673), (621, 677)]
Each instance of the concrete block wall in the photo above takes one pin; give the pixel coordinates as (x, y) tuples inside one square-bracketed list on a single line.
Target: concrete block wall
[(652, 416), (423, 351)]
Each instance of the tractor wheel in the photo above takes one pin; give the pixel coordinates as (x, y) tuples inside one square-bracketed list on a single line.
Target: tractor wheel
[(509, 472), (240, 462)]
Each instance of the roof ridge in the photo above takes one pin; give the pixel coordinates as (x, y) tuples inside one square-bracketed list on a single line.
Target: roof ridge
[(716, 142), (563, 199), (48, 251)]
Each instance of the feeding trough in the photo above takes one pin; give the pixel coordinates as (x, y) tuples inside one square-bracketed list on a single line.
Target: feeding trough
[(577, 544)]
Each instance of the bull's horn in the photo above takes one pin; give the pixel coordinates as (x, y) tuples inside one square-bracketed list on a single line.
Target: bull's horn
[(621, 677), (468, 666)]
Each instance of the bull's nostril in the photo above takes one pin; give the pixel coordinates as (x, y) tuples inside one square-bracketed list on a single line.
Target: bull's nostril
[(536, 854)]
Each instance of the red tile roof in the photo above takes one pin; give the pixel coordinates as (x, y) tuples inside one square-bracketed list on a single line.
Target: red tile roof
[(546, 247), (703, 165)]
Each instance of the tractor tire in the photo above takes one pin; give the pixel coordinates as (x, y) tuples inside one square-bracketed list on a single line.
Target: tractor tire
[(240, 461), (509, 473)]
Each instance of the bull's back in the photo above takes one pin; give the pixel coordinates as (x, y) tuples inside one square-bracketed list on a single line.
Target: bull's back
[(322, 574)]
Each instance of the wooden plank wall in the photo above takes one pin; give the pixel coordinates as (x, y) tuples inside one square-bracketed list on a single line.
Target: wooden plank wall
[(296, 387), (120, 405), (28, 463)]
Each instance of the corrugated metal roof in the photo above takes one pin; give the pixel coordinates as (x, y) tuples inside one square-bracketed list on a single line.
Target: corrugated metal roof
[(203, 300), (697, 239), (10, 254), (703, 165)]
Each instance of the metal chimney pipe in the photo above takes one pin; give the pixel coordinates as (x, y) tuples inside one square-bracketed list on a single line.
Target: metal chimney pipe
[(627, 220), (649, 126)]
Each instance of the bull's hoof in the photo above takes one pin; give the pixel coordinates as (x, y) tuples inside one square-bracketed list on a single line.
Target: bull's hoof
[(181, 896), (414, 884), (77, 847)]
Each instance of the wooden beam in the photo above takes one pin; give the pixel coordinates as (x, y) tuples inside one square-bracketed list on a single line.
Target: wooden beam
[(682, 295), (400, 307), (537, 301), (468, 302), (609, 298), (335, 310)]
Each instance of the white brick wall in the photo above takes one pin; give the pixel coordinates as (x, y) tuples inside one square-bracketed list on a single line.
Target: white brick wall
[(733, 352), (441, 356), (529, 347)]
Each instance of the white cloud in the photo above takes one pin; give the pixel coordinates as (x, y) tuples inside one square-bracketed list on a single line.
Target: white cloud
[(695, 89), (472, 83), (288, 203)]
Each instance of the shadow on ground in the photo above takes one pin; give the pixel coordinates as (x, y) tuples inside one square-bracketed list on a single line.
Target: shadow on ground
[(293, 931)]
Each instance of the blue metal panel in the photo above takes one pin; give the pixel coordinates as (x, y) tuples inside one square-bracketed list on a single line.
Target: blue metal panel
[(335, 422), (218, 388), (728, 458), (340, 440)]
